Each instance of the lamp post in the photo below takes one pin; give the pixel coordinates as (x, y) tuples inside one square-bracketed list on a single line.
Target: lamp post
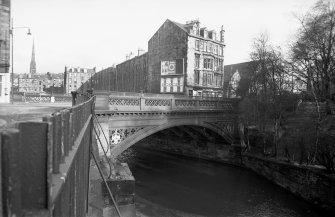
[(12, 65)]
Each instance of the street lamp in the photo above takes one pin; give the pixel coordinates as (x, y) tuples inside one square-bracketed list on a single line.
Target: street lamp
[(12, 66)]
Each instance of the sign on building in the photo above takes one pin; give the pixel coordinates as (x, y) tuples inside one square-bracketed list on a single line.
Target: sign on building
[(172, 76), (172, 84), (172, 67), (168, 67)]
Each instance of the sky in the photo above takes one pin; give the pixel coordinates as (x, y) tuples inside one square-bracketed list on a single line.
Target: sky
[(100, 33)]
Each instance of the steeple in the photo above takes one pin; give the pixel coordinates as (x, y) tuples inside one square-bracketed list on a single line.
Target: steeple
[(32, 62)]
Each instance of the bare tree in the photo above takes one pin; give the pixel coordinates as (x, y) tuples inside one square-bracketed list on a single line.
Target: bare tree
[(269, 88), (313, 55)]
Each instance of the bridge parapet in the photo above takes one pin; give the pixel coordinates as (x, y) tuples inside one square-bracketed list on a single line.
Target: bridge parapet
[(44, 165), (144, 102)]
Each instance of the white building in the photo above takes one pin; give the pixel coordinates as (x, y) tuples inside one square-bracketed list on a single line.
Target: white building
[(75, 77), (4, 51)]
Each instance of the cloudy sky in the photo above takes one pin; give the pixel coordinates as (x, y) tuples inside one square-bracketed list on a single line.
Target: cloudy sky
[(100, 33)]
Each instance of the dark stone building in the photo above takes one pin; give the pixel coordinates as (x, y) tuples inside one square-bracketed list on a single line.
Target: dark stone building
[(168, 44), (237, 78), (186, 59)]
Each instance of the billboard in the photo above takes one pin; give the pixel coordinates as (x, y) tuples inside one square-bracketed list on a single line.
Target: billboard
[(173, 84), (172, 67), (168, 67)]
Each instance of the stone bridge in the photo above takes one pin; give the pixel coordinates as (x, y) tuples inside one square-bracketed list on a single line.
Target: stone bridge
[(127, 118)]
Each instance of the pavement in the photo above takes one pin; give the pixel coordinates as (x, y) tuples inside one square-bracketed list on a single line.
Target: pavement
[(11, 113)]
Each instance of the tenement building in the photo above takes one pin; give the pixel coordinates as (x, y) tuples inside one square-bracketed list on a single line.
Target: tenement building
[(183, 59), (75, 77), (186, 58), (4, 51)]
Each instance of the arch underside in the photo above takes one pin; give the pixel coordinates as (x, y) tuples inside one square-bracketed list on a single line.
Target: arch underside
[(222, 129)]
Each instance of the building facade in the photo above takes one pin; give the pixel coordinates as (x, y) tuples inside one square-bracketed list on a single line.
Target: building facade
[(186, 59), (74, 78), (39, 83), (4, 51), (182, 59)]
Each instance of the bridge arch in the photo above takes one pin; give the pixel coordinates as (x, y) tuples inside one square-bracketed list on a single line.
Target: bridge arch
[(150, 130)]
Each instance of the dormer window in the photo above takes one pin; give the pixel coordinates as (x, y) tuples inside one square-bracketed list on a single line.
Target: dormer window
[(202, 32), (210, 35)]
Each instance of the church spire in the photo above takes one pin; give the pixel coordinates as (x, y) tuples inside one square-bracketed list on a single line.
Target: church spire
[(33, 62)]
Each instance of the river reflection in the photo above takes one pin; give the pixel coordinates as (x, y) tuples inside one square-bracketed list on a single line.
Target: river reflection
[(168, 185)]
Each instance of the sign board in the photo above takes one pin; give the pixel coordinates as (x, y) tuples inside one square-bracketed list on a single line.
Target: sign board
[(173, 84), (168, 67)]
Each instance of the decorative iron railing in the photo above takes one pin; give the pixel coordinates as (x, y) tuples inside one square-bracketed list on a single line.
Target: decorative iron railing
[(164, 103)]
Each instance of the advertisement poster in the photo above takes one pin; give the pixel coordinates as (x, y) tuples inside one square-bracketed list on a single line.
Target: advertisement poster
[(172, 84), (168, 67)]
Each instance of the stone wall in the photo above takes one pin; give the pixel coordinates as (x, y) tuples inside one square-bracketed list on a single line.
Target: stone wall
[(192, 148), (308, 183), (310, 108)]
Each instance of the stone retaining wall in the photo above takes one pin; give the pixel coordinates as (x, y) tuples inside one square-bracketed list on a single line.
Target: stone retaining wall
[(310, 184)]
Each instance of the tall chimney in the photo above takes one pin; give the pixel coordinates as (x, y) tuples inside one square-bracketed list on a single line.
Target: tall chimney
[(222, 34)]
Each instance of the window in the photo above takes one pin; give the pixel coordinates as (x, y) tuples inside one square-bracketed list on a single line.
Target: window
[(196, 76), (216, 81), (216, 64), (219, 81), (205, 46), (210, 48), (221, 51), (197, 61), (196, 44), (210, 79), (215, 49), (204, 79), (201, 45), (221, 65), (208, 63)]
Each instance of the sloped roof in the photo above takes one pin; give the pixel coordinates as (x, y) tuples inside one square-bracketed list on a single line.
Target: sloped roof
[(243, 69), (181, 26)]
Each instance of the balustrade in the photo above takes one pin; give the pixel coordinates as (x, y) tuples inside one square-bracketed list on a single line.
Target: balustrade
[(144, 103)]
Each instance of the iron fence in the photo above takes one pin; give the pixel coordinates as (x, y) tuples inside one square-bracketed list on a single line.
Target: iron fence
[(45, 165)]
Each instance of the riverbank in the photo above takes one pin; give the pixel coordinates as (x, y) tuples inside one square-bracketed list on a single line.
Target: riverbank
[(311, 185), (169, 185)]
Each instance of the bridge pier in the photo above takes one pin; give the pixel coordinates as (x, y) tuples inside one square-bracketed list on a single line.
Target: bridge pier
[(122, 186), (118, 178)]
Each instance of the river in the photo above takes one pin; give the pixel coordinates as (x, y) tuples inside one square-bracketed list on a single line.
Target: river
[(169, 185)]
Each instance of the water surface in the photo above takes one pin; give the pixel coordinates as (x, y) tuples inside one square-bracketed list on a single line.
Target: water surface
[(168, 185)]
